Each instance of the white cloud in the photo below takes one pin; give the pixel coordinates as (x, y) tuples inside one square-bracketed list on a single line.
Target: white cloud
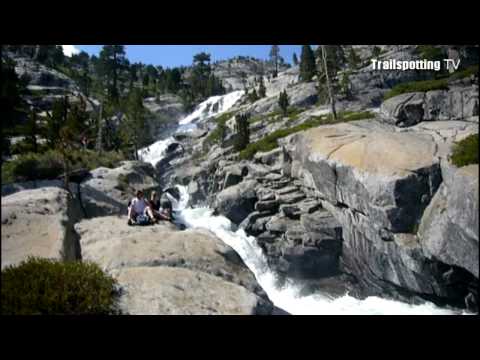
[(69, 50)]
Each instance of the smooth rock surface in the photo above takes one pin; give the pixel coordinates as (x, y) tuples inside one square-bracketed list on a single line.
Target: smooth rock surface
[(39, 223)]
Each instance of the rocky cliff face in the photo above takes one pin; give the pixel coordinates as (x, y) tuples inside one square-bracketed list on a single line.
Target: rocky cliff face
[(160, 269), (165, 271), (374, 205), (377, 182)]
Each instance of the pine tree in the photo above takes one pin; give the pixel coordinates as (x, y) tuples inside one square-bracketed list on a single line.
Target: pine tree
[(243, 77), (111, 62), (345, 85), (253, 96), (327, 76), (307, 64), (283, 102), (56, 119), (376, 51), (200, 75), (274, 56), (295, 59), (262, 91), (12, 105), (242, 129), (134, 127), (31, 130), (353, 58)]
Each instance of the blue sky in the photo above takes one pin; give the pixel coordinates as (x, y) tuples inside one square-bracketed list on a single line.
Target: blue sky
[(177, 55)]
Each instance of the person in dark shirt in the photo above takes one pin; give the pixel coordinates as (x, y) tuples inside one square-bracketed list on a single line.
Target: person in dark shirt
[(155, 201)]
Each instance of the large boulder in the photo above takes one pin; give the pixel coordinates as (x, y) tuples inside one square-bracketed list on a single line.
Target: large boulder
[(166, 290), (408, 109), (108, 191), (449, 228), (39, 223), (166, 271), (237, 202), (454, 104), (404, 110), (377, 182)]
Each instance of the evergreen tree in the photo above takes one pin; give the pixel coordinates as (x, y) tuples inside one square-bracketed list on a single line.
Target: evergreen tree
[(331, 58), (262, 91), (243, 77), (295, 59), (353, 59), (376, 51), (173, 80), (12, 105), (56, 120), (345, 85), (274, 56), (242, 130), (200, 74), (328, 82), (283, 102), (307, 64), (30, 130), (253, 96), (81, 60), (111, 62), (134, 127)]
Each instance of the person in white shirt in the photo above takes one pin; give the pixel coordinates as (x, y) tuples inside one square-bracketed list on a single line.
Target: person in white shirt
[(137, 207)]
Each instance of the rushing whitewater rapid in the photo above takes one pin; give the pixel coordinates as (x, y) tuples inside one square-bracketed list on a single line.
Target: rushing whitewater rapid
[(287, 297), (214, 105)]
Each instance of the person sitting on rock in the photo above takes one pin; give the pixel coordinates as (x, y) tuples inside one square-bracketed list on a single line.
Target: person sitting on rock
[(136, 207), (152, 214), (154, 199)]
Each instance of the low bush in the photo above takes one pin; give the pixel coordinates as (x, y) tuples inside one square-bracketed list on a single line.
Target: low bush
[(457, 75), (217, 135), (50, 287), (270, 142), (49, 165), (414, 86), (465, 152)]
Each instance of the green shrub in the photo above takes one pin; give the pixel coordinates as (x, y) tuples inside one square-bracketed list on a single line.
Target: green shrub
[(414, 86), (30, 166), (49, 165), (465, 152), (430, 52), (270, 142), (277, 115), (49, 287), (123, 183), (472, 70), (217, 135)]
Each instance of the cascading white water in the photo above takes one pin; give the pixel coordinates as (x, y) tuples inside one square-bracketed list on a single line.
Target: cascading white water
[(214, 105), (288, 297)]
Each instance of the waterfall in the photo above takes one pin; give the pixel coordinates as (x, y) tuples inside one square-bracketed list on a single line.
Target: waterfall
[(288, 296), (214, 105)]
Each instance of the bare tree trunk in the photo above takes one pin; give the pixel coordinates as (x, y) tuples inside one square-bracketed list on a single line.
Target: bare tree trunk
[(329, 87), (34, 131), (99, 133), (37, 52)]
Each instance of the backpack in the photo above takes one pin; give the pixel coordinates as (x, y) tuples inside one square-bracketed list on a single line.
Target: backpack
[(142, 220)]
